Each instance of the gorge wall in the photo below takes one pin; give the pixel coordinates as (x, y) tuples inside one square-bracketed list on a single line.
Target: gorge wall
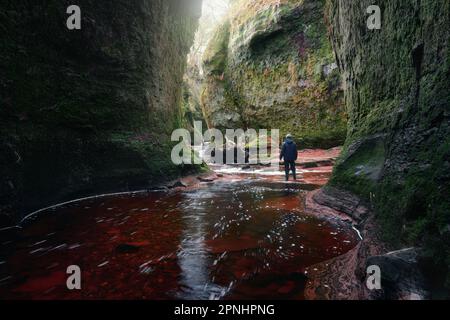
[(89, 110), (271, 65), (397, 153)]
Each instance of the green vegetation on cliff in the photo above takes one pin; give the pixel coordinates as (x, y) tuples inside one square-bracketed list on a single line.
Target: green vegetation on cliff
[(397, 153), (271, 65)]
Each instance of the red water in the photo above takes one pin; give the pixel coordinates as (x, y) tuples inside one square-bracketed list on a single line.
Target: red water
[(240, 239)]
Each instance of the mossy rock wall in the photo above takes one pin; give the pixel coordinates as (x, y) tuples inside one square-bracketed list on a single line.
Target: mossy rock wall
[(397, 152), (192, 86), (91, 110), (271, 65)]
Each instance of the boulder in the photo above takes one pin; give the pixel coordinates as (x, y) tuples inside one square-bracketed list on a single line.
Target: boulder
[(178, 184), (401, 276)]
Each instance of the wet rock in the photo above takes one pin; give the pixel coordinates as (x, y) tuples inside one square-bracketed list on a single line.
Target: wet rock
[(308, 165), (178, 184), (201, 179), (401, 276), (342, 201), (264, 164), (127, 248), (158, 188)]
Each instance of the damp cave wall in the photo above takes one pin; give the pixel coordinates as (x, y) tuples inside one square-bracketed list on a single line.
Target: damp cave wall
[(90, 110)]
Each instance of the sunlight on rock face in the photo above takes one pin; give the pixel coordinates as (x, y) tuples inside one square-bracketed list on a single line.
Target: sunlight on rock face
[(213, 12)]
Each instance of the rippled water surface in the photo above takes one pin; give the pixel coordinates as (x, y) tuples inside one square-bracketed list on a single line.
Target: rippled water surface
[(230, 239)]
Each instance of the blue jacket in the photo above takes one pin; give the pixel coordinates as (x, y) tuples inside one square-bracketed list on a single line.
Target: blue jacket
[(289, 151)]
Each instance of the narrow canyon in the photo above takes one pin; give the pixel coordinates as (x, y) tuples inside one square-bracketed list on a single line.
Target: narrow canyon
[(86, 123)]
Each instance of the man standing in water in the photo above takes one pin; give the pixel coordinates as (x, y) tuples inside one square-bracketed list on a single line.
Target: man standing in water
[(289, 153)]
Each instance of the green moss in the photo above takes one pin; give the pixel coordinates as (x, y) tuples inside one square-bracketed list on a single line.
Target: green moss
[(91, 110), (360, 171), (216, 54), (397, 88), (274, 73)]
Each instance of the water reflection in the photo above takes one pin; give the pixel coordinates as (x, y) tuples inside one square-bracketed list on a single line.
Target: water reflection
[(193, 257), (240, 238)]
